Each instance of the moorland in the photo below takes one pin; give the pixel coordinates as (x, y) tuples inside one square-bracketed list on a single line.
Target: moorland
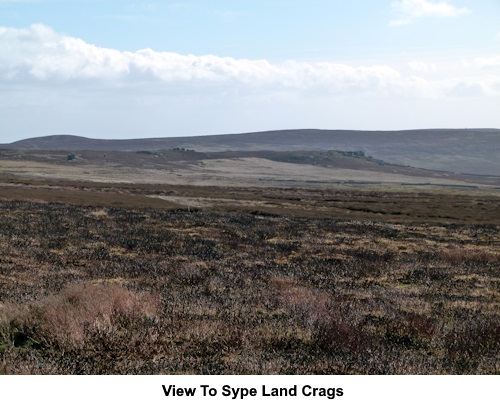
[(182, 261)]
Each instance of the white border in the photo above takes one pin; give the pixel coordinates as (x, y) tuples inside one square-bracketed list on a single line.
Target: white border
[(148, 390)]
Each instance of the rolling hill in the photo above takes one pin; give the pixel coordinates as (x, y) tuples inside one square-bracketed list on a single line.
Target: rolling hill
[(474, 151)]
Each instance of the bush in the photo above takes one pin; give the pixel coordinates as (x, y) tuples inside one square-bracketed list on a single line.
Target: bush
[(66, 318)]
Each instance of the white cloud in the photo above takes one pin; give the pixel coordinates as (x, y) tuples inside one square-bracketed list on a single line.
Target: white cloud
[(410, 10), (39, 56), (465, 90), (421, 66), (487, 62), (42, 54)]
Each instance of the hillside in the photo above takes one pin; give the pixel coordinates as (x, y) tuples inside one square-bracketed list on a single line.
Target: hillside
[(473, 151)]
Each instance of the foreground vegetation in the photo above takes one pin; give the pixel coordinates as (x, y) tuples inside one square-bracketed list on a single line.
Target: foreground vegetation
[(118, 290)]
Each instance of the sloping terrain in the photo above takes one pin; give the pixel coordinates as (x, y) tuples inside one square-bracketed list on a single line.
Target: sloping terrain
[(472, 151), (309, 169)]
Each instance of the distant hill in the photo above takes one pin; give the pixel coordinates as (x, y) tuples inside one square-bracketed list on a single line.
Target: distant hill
[(474, 151)]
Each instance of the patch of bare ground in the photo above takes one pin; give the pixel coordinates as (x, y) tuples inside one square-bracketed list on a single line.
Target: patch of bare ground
[(117, 290)]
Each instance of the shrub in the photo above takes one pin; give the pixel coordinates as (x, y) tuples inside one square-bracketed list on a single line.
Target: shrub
[(81, 308), (461, 256)]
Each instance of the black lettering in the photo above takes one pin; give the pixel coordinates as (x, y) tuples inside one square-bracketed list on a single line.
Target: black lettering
[(330, 393), (167, 392), (226, 390), (235, 392), (190, 391), (179, 392)]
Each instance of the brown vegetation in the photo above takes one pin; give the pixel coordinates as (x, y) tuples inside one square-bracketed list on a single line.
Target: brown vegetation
[(333, 203), (112, 290)]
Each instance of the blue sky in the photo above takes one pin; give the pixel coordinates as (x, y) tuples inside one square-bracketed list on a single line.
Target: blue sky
[(122, 69)]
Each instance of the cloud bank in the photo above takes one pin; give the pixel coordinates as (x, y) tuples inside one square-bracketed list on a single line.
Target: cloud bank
[(39, 55), (54, 83), (42, 54), (410, 10)]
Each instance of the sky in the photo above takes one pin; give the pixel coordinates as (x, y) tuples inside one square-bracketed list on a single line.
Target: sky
[(131, 69)]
